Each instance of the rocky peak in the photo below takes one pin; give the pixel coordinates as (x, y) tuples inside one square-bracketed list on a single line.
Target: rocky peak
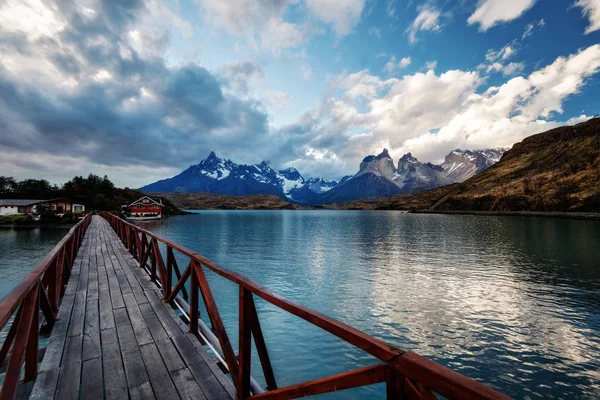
[(383, 154), (408, 158)]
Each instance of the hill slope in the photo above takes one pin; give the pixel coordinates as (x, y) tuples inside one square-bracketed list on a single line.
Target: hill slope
[(211, 201), (557, 170)]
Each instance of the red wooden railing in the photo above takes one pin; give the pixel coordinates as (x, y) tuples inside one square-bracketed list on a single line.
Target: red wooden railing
[(406, 374), (41, 291)]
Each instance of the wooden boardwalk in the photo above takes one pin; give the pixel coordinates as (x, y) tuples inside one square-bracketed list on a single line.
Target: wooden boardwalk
[(115, 337)]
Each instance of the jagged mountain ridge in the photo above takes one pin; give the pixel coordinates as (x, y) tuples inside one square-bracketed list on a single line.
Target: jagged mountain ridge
[(377, 176)]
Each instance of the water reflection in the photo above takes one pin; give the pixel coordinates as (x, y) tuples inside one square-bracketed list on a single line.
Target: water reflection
[(513, 302)]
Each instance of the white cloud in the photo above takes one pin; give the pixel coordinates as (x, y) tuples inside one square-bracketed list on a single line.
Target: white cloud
[(513, 68), (34, 18), (242, 17), (276, 98), (492, 12), (530, 28), (591, 9), (393, 66), (430, 114), (343, 15), (431, 65), (428, 19), (278, 35)]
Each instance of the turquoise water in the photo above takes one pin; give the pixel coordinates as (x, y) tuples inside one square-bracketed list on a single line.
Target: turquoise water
[(21, 249), (511, 302)]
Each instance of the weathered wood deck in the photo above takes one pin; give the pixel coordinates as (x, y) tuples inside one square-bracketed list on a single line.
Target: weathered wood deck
[(116, 338)]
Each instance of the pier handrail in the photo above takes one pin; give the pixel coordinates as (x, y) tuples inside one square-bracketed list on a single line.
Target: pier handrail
[(40, 291), (406, 374)]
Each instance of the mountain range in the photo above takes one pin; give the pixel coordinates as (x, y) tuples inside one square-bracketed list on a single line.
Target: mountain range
[(554, 171), (377, 176)]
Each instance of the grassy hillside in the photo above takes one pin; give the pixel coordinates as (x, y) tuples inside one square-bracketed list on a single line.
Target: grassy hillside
[(558, 170), (210, 201)]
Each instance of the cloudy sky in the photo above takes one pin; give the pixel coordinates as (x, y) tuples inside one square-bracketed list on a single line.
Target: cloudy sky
[(140, 89)]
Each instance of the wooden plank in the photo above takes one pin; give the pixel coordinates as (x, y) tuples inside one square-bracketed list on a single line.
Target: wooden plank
[(78, 315), (186, 385), (170, 319), (107, 320), (91, 338), (162, 386), (166, 348), (205, 377), (140, 328), (112, 365), (132, 358), (142, 392), (91, 379), (70, 370), (164, 314), (45, 385), (116, 296)]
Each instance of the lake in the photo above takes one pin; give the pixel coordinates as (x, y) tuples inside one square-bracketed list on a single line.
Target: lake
[(21, 249), (510, 301)]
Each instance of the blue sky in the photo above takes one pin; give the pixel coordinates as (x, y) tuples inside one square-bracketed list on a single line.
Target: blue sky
[(139, 90)]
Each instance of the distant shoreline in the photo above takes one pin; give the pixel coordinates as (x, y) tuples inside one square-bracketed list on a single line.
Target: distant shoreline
[(66, 226), (586, 216)]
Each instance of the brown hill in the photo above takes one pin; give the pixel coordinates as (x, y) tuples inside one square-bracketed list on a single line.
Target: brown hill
[(210, 201), (558, 170)]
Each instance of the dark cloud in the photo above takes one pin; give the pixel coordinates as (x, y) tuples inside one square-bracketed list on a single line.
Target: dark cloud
[(125, 108)]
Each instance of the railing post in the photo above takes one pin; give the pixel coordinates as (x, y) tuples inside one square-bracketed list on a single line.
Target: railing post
[(261, 347), (245, 341), (31, 352), (168, 284), (394, 385), (193, 300)]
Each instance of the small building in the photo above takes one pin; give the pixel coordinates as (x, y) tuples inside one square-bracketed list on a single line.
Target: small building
[(18, 206), (23, 206), (145, 207)]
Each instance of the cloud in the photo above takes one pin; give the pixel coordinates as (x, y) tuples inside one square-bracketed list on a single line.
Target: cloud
[(343, 15), (431, 65), (278, 35), (591, 9), (530, 28), (393, 66), (80, 90), (242, 17), (493, 12), (428, 19), (513, 68), (429, 114), (276, 98), (237, 75), (375, 32)]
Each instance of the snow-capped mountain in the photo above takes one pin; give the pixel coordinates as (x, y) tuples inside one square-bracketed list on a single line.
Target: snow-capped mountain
[(222, 176), (460, 165), (377, 176)]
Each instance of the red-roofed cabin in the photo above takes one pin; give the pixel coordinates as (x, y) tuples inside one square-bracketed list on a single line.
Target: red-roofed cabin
[(146, 207)]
